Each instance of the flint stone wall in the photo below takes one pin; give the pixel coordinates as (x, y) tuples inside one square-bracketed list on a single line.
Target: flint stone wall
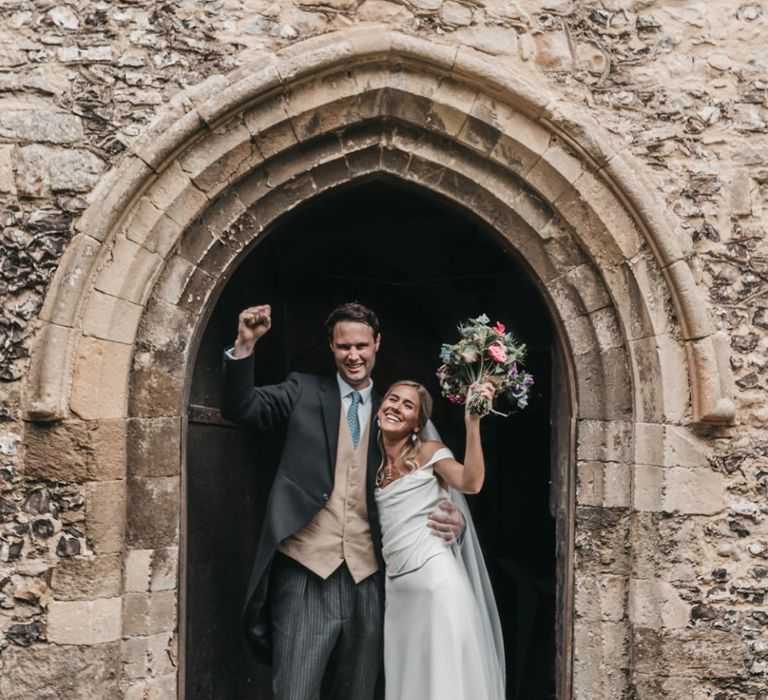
[(682, 84)]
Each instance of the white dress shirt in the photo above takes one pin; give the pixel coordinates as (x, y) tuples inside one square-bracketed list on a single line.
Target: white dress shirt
[(363, 408)]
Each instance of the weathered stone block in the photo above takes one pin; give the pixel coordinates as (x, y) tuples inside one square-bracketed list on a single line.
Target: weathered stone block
[(99, 387), (479, 135), (128, 274), (581, 335), (590, 287), (605, 227), (154, 446), (149, 227), (137, 570), (153, 512), (133, 653), (58, 451), (285, 198), (165, 566), (602, 536), (151, 570), (54, 672), (148, 657), (208, 233), (656, 604), (531, 208), (105, 521), (173, 279), (149, 613), (553, 51), (330, 117), (601, 660), (110, 318), (683, 449), (275, 139), (152, 689), (383, 11), (647, 380), (84, 622), (554, 172), (328, 175), (33, 177), (603, 385), (166, 332), (7, 183), (532, 250), (85, 578), (617, 485), (601, 598), (108, 438), (667, 547), (692, 652), (72, 451), (156, 385), (739, 193), (117, 190), (604, 441), (367, 160), (40, 125), (220, 158), (688, 687), (694, 491), (648, 485), (606, 328), (589, 483), (75, 170)]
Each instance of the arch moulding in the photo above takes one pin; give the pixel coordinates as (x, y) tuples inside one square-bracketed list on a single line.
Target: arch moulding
[(210, 137)]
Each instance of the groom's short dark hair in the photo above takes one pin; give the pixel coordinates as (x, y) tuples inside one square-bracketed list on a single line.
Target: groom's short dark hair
[(352, 311)]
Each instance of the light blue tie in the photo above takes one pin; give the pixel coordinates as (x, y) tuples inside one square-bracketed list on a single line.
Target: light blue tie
[(352, 418)]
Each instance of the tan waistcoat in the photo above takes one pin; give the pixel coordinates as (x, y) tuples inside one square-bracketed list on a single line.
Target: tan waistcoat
[(340, 532)]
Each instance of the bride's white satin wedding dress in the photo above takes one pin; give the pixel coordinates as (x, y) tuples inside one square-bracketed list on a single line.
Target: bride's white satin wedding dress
[(441, 632)]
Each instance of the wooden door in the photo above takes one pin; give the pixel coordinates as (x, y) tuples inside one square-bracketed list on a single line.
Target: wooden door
[(423, 267)]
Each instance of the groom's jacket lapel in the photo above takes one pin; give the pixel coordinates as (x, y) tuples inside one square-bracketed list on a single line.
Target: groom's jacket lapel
[(330, 404)]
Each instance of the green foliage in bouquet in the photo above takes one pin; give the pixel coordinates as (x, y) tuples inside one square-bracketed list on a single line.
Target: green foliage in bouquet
[(485, 353)]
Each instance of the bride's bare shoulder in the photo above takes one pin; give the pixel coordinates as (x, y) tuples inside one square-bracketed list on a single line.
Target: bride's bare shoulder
[(428, 448)]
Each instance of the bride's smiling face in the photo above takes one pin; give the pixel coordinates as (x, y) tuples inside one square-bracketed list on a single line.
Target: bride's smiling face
[(399, 411)]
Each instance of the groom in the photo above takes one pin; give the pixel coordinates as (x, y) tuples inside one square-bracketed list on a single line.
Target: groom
[(314, 605)]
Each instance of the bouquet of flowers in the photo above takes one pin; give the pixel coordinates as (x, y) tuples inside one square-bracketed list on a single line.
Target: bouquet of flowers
[(484, 354)]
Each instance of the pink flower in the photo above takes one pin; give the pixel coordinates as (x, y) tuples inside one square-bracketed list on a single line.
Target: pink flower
[(499, 328), (497, 352)]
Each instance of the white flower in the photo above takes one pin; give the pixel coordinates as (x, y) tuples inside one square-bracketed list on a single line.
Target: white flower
[(470, 354)]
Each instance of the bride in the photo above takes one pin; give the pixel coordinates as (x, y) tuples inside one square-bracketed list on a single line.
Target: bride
[(442, 638)]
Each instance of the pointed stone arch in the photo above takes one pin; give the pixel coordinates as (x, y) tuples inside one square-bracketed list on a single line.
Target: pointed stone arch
[(227, 159), (210, 136)]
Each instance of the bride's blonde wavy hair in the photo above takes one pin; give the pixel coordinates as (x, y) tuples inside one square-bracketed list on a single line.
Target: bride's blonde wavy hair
[(409, 454)]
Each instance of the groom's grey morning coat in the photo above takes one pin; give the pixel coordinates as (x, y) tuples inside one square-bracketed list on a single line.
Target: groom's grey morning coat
[(307, 408)]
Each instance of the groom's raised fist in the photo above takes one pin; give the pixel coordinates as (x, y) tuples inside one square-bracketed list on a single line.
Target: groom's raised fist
[(252, 323)]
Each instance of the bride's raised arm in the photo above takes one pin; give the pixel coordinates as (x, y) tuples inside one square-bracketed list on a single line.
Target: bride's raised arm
[(469, 476)]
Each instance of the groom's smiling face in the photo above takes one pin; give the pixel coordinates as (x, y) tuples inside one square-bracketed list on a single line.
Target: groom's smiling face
[(354, 352)]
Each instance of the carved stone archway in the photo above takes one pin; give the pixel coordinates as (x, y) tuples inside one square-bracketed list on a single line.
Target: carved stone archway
[(227, 159)]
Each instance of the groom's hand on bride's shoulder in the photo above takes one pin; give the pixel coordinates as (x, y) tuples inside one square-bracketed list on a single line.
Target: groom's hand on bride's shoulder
[(446, 522)]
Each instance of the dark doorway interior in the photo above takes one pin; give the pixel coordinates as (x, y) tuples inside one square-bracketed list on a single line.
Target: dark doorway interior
[(424, 266)]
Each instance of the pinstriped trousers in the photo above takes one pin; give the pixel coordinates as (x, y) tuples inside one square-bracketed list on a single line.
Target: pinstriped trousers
[(327, 634)]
